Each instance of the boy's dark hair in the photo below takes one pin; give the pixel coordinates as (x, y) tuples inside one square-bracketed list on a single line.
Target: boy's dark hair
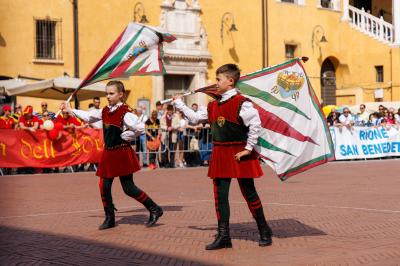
[(118, 84), (231, 71), (158, 103), (170, 107), (96, 98)]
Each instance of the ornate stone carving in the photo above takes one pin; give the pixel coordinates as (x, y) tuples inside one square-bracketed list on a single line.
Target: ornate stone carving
[(189, 54)]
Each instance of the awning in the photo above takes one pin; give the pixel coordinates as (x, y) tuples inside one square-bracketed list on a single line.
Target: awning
[(57, 88)]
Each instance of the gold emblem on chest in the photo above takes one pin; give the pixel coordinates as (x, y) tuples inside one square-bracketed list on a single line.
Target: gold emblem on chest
[(221, 121)]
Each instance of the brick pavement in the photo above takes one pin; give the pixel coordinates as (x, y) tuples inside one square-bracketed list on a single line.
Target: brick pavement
[(336, 214)]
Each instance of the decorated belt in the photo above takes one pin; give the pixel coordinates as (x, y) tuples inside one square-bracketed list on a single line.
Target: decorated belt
[(228, 143), (120, 146)]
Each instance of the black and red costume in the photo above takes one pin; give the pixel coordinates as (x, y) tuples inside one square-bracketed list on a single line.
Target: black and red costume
[(119, 159), (230, 136)]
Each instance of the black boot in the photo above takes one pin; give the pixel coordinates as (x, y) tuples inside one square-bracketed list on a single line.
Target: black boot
[(222, 239), (265, 231), (155, 212), (109, 222)]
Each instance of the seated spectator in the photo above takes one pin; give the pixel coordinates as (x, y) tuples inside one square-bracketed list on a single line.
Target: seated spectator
[(152, 126), (45, 116), (44, 109), (381, 108), (8, 122), (397, 116), (181, 138), (205, 143), (333, 117), (160, 110), (362, 116), (346, 119), (17, 113), (69, 122), (94, 107), (169, 125), (390, 119), (28, 121), (374, 120)]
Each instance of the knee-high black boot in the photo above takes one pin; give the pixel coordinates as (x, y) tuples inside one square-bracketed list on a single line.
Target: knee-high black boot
[(222, 239), (155, 212), (109, 222), (263, 228)]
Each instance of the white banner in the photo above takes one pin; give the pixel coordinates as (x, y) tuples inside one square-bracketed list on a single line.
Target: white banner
[(365, 142)]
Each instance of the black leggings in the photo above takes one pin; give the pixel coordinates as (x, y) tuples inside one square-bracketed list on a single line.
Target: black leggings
[(221, 196), (128, 186)]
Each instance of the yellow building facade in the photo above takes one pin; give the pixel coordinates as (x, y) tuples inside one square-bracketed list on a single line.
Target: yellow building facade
[(354, 55)]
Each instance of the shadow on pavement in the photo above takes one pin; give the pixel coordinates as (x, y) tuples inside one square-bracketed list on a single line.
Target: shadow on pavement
[(26, 247), (282, 228), (165, 209)]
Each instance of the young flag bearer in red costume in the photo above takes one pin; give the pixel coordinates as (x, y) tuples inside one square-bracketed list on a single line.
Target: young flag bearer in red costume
[(235, 126), (120, 126)]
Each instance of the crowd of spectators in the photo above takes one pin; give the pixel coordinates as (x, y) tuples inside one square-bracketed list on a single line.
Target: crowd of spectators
[(169, 140), (385, 117)]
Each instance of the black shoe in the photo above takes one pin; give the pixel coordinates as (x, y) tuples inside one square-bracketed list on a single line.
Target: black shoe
[(155, 213), (222, 239), (264, 230), (109, 222)]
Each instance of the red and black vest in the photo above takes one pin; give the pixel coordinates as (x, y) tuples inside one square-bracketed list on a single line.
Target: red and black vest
[(113, 127), (226, 125)]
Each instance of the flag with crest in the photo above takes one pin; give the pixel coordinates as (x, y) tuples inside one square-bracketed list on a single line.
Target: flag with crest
[(137, 51), (294, 135)]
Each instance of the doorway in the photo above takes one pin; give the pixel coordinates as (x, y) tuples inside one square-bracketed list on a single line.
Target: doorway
[(366, 4), (177, 84), (328, 83)]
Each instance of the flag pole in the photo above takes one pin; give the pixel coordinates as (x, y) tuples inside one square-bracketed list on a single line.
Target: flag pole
[(67, 101), (189, 93)]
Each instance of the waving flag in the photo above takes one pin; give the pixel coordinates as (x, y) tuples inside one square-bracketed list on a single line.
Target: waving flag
[(294, 134), (137, 51)]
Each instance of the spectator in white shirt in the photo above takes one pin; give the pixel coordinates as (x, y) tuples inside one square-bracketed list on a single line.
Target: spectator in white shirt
[(346, 119)]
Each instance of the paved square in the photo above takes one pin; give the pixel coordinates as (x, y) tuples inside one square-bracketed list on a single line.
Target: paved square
[(342, 213)]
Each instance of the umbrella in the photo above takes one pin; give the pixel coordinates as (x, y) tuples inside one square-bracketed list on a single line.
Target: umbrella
[(55, 88), (327, 109)]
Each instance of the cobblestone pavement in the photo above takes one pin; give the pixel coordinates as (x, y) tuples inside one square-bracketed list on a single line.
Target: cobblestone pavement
[(336, 214)]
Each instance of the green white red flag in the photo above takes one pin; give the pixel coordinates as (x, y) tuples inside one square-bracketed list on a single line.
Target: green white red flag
[(294, 136), (137, 51)]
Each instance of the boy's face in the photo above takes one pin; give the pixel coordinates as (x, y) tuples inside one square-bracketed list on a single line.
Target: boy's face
[(112, 94), (224, 83)]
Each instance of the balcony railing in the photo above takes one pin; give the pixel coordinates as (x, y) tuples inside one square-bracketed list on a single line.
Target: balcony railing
[(371, 25)]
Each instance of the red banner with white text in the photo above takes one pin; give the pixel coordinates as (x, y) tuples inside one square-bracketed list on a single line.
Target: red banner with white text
[(21, 148)]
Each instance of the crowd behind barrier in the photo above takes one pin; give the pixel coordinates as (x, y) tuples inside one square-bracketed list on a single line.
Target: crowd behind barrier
[(169, 140)]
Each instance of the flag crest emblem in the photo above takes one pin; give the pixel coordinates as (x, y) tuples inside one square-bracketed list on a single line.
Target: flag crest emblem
[(221, 121), (288, 84)]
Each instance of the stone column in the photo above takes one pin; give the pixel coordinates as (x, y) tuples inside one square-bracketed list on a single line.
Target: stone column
[(345, 8), (396, 22), (158, 89)]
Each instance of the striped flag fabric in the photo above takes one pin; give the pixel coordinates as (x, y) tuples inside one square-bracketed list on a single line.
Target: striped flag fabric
[(294, 136), (137, 51)]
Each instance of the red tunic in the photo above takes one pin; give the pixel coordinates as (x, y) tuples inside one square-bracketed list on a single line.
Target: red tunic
[(118, 158), (29, 122), (230, 137), (68, 121), (7, 123)]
